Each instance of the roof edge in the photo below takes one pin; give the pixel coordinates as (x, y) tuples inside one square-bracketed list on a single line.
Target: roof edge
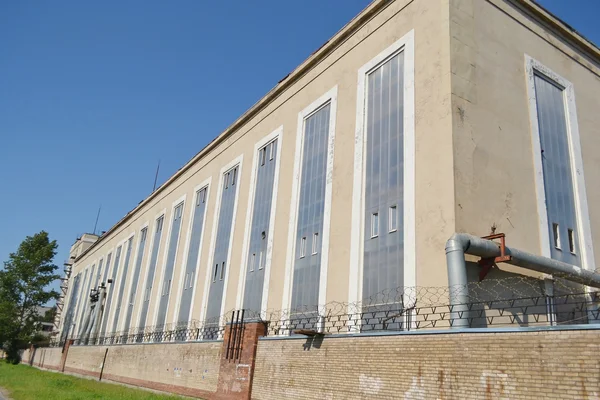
[(327, 48), (576, 39), (529, 6)]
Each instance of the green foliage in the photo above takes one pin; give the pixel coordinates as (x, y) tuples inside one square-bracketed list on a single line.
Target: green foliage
[(23, 283), (28, 383)]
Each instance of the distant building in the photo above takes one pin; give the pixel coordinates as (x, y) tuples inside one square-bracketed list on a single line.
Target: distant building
[(418, 119)]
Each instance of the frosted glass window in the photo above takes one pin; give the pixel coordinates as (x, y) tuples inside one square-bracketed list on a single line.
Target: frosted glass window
[(384, 166), (73, 300), (111, 288), (135, 278), (556, 164), (151, 270), (121, 285), (311, 206), (193, 253), (259, 226), (170, 264), (221, 251)]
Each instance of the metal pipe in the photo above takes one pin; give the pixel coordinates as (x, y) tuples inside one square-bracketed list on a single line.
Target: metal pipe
[(462, 243)]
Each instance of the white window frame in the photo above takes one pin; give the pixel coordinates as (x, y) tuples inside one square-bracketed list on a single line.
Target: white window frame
[(584, 233), (146, 265), (406, 46), (136, 255), (201, 195), (329, 97), (181, 201), (238, 161), (277, 134), (393, 218), (374, 225)]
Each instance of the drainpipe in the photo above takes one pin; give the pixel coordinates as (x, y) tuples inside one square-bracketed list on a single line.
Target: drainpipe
[(462, 243)]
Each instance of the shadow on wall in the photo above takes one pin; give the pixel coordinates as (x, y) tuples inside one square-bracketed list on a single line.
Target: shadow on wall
[(503, 297), (313, 341)]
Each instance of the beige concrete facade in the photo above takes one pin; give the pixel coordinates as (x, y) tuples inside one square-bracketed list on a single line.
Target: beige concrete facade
[(473, 163)]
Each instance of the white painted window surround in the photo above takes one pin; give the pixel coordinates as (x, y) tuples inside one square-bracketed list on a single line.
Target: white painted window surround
[(404, 45), (583, 236), (328, 98)]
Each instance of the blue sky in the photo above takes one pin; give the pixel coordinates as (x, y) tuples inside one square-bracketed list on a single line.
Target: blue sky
[(94, 94)]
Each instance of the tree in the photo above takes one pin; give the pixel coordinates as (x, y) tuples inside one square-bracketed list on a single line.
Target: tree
[(23, 288)]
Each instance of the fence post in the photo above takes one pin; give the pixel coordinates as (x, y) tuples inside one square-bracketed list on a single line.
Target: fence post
[(236, 368), (63, 358)]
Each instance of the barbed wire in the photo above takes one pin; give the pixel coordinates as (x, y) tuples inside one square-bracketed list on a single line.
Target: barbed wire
[(516, 300)]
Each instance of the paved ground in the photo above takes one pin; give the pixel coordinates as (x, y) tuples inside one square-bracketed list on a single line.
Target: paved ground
[(3, 395)]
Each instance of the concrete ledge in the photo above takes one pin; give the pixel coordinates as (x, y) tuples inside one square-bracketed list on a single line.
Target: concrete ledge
[(445, 332)]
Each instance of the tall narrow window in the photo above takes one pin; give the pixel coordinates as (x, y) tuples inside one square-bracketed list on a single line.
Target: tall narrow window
[(303, 247), (383, 266), (216, 272), (315, 243), (571, 240), (151, 269), (222, 244), (121, 285), (193, 252), (71, 305), (311, 211), (556, 165), (84, 298), (135, 278), (259, 226), (374, 225), (170, 263), (393, 218), (263, 156), (111, 290), (556, 235)]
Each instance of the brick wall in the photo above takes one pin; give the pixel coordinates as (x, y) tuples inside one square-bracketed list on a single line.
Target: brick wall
[(185, 368), (531, 364), (47, 357), (86, 360)]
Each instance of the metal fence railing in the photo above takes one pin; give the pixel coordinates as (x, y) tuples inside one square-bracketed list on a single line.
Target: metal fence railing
[(516, 301)]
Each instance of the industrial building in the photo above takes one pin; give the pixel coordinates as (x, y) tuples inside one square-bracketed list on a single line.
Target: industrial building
[(418, 119)]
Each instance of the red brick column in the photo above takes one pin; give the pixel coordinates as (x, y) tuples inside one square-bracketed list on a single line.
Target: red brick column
[(235, 375), (32, 350), (63, 358)]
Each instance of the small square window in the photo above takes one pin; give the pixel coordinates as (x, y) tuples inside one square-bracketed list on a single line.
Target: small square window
[(303, 247), (556, 235), (571, 241), (393, 216), (315, 243), (374, 225)]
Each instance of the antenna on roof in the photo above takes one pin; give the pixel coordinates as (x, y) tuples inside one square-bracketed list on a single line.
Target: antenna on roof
[(156, 176), (97, 216)]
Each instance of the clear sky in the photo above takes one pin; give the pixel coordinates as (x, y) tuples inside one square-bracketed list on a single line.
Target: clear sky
[(94, 94)]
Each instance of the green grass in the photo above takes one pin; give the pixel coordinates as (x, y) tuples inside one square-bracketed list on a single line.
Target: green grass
[(27, 383)]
